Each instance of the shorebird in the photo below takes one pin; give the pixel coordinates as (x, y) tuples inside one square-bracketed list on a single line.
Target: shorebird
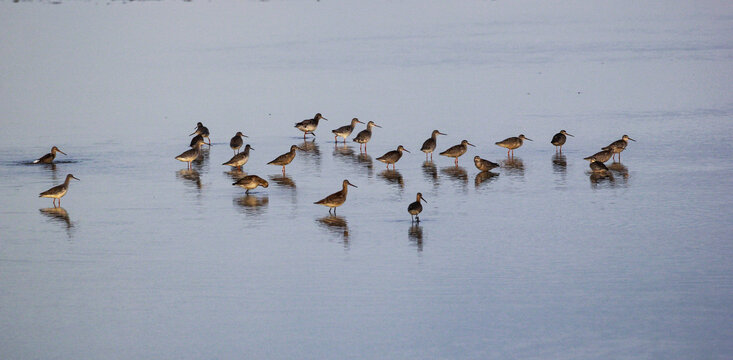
[(391, 157), (48, 158), (483, 164), (602, 156), (309, 125), (597, 166), (203, 131), (196, 139), (457, 150), (618, 146), (239, 159), (236, 142), (250, 182), (559, 139), (58, 191), (285, 159), (336, 199), (345, 130), (191, 154), (364, 136), (415, 208), (512, 143), (429, 145)]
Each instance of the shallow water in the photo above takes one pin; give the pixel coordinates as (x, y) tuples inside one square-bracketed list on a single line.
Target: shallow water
[(538, 260)]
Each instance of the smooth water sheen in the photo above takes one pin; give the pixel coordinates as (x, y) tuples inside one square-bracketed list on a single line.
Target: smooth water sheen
[(540, 261)]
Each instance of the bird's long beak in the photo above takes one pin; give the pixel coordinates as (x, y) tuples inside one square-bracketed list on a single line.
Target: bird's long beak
[(352, 184), (632, 139), (192, 133), (245, 135), (406, 150), (471, 144), (569, 135), (61, 151), (376, 125), (440, 133), (75, 177), (423, 199), (528, 139)]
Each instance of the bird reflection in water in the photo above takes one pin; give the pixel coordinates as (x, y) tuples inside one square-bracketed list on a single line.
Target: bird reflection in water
[(191, 177), (457, 173), (235, 174), (252, 204), (343, 150), (311, 150), (514, 166), (485, 177), (430, 171), (415, 234), (365, 160), (597, 179), (283, 181), (559, 163), (58, 215), (336, 225), (393, 177)]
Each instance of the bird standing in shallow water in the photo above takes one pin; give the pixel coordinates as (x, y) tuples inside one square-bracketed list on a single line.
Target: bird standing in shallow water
[(391, 157), (456, 151), (483, 164), (618, 146), (309, 125), (415, 208), (58, 191), (364, 136), (345, 130), (203, 131), (236, 142), (512, 143), (286, 158), (336, 199), (602, 156), (238, 160), (192, 154), (429, 145), (48, 158), (559, 140), (250, 182)]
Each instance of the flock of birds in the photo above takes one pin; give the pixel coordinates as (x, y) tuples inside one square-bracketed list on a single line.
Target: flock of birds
[(338, 198)]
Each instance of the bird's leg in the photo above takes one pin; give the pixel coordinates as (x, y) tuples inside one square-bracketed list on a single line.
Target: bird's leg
[(417, 218), (335, 139), (283, 170), (456, 161)]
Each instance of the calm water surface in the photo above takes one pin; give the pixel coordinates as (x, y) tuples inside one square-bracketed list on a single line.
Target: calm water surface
[(537, 260)]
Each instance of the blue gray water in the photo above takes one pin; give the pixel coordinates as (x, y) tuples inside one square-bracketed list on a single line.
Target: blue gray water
[(541, 260)]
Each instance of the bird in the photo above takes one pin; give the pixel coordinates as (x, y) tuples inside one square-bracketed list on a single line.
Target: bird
[(457, 150), (58, 191), (309, 125), (336, 199), (250, 182), (286, 158), (196, 139), (391, 157), (512, 143), (559, 139), (345, 130), (365, 135), (203, 131), (236, 142), (191, 154), (429, 145), (597, 166), (48, 158), (483, 164), (415, 208), (602, 156), (239, 159), (618, 146)]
